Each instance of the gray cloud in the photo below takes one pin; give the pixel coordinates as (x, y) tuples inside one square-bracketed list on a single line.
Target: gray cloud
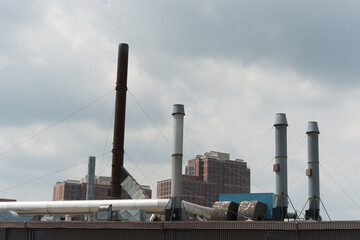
[(316, 40)]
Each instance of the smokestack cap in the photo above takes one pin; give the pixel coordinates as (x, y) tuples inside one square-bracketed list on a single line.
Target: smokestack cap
[(124, 48), (178, 109), (92, 160), (280, 119), (312, 127)]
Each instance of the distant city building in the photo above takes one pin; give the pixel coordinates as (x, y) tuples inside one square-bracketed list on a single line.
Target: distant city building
[(208, 175), (76, 190)]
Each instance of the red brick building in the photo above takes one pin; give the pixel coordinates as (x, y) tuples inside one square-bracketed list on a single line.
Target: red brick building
[(208, 175), (76, 190)]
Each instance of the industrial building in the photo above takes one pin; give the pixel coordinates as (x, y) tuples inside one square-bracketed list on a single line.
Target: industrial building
[(76, 190), (208, 175), (238, 216)]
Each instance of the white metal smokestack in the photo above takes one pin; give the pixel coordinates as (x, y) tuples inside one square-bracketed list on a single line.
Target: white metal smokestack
[(176, 168), (313, 171), (90, 179), (280, 206)]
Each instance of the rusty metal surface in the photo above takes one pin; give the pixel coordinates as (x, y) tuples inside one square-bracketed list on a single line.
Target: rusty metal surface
[(117, 174)]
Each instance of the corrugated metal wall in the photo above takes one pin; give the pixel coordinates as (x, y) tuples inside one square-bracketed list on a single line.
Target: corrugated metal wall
[(113, 234), (330, 234), (230, 234), (13, 233), (167, 230)]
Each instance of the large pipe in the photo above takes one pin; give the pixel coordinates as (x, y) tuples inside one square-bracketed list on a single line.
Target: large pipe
[(82, 206), (313, 171), (90, 179), (197, 210), (280, 168), (117, 175), (156, 206), (176, 167)]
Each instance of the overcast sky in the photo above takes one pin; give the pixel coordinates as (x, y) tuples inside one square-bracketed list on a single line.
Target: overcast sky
[(233, 64)]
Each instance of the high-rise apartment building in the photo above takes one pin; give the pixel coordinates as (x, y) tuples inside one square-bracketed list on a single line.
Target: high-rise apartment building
[(208, 175), (76, 190)]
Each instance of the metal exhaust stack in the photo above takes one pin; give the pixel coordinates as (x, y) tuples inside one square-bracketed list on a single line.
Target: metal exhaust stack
[(90, 179), (117, 173), (175, 212), (280, 207), (90, 182), (313, 172)]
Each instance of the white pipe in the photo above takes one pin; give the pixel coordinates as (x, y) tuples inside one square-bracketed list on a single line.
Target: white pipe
[(156, 206), (194, 209), (83, 206)]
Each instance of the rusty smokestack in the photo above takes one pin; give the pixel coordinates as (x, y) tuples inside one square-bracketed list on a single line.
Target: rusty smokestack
[(117, 173)]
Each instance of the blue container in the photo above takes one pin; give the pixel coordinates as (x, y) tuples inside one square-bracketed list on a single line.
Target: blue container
[(267, 198), (26, 217)]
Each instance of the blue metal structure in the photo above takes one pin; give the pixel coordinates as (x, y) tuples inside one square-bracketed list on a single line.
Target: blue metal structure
[(267, 198)]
